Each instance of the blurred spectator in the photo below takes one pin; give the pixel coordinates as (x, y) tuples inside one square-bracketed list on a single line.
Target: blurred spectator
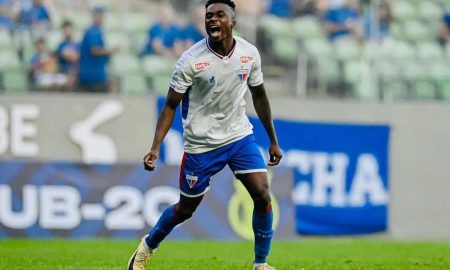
[(248, 12), (444, 33), (35, 17), (94, 57), (163, 36), (280, 8), (44, 69), (68, 54), (252, 8), (309, 7), (342, 21), (194, 31), (7, 15), (376, 22)]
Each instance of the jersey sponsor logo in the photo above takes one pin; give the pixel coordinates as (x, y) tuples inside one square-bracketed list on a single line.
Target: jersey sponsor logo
[(242, 74), (246, 59), (191, 179), (201, 66)]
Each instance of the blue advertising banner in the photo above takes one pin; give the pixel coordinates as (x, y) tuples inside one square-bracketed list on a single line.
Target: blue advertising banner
[(340, 182), (57, 199)]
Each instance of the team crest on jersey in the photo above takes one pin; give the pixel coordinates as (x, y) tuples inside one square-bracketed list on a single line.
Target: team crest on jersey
[(246, 59), (242, 74), (191, 179), (201, 66)]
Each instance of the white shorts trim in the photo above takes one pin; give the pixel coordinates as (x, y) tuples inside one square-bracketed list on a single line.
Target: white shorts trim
[(249, 171), (194, 195)]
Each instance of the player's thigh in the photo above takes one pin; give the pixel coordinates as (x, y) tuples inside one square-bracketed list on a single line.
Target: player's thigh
[(256, 183)]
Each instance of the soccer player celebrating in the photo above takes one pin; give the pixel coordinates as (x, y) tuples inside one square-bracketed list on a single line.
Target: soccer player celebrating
[(211, 79)]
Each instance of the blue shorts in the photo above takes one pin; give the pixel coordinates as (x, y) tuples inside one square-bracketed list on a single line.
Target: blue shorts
[(242, 156)]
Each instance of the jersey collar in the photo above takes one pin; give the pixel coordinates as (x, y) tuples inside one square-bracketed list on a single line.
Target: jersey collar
[(218, 55)]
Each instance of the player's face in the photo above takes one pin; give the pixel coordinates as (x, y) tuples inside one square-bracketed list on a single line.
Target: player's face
[(219, 21)]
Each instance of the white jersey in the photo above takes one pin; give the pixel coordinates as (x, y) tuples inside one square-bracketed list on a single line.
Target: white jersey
[(213, 106)]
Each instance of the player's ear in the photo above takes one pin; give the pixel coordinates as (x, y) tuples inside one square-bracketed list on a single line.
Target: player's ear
[(234, 23)]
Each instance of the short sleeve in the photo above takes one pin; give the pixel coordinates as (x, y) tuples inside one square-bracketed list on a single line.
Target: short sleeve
[(256, 76), (446, 19), (182, 76), (94, 39)]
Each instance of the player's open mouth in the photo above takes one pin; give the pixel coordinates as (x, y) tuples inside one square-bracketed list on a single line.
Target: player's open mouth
[(214, 31)]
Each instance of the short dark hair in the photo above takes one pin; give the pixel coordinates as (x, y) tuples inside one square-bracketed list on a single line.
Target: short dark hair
[(226, 2)]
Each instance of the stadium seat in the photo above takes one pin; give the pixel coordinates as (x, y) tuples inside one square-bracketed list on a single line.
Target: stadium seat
[(347, 49), (445, 91), (414, 71), (114, 22), (440, 73), (329, 70), (429, 10), (372, 50), (402, 51), (415, 30), (138, 42), (6, 42), (53, 39), (135, 85), (430, 51), (14, 82), (424, 90), (396, 30), (286, 49), (155, 65), (395, 90), (403, 10), (118, 39), (159, 71), (308, 27), (9, 61), (81, 21), (319, 48), (122, 64), (358, 74), (277, 26), (137, 23)]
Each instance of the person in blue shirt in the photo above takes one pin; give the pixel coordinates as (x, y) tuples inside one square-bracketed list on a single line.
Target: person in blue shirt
[(36, 17), (163, 36), (94, 57), (194, 31), (444, 32), (68, 53), (7, 15), (280, 8), (343, 21)]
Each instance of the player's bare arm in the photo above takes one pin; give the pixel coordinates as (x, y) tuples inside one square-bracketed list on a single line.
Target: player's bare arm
[(262, 107), (162, 127)]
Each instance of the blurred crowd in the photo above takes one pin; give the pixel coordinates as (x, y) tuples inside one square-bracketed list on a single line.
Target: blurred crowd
[(81, 64)]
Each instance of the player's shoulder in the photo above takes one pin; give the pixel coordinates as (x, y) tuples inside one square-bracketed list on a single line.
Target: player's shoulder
[(246, 45), (198, 49)]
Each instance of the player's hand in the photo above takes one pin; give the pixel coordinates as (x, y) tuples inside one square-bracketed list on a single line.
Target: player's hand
[(150, 160), (275, 155)]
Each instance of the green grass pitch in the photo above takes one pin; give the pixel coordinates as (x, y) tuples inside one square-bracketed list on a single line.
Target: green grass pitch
[(311, 254)]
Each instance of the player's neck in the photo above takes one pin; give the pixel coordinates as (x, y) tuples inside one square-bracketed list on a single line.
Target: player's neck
[(224, 47)]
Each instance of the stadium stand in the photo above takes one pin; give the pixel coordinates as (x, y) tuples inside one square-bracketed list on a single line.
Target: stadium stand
[(409, 63)]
